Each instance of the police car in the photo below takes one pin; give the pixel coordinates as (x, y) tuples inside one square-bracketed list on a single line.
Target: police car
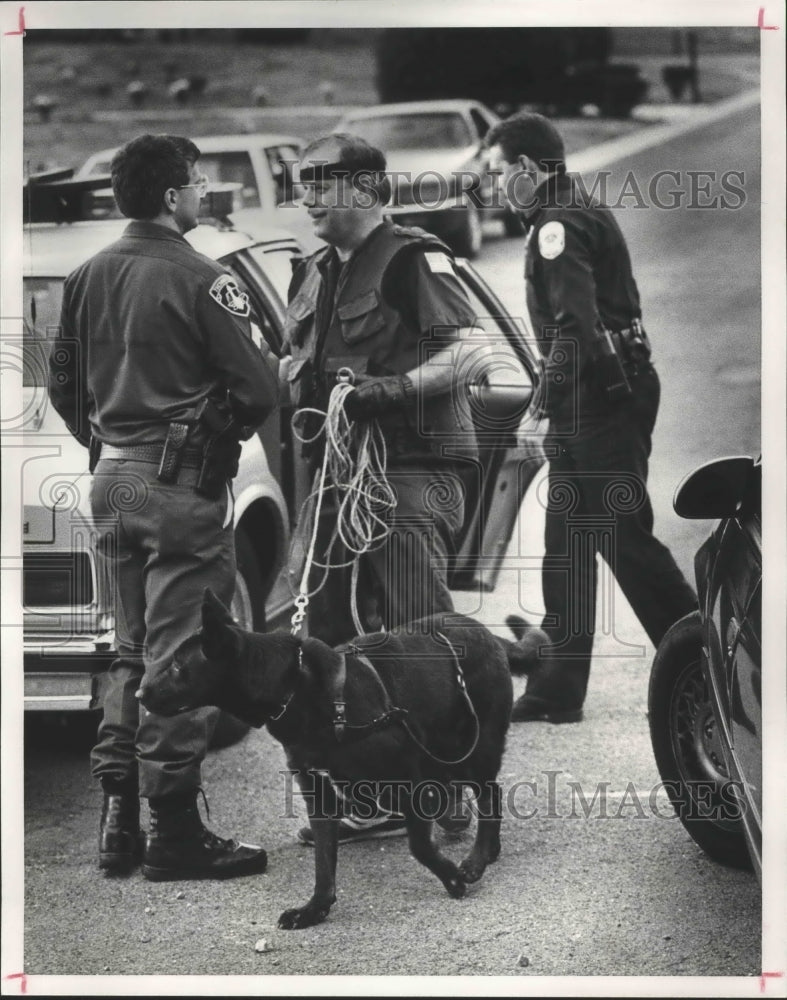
[(68, 603)]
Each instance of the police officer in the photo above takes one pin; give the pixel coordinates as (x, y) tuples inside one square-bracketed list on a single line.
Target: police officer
[(383, 301), (151, 333), (601, 396)]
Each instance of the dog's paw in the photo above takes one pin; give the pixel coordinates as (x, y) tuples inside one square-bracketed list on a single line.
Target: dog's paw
[(472, 869), (455, 885), (299, 917)]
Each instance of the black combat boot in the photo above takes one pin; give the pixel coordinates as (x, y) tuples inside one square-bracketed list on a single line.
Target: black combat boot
[(180, 847), (120, 840)]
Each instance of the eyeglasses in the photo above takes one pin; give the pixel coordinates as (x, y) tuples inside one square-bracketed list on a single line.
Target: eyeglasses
[(201, 185)]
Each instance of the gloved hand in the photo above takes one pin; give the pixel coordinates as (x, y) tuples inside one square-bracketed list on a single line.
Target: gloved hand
[(379, 395)]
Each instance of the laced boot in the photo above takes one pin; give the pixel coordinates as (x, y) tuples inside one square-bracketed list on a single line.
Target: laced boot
[(120, 839), (179, 846)]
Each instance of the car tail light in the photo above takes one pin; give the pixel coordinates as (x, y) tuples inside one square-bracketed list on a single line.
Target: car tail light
[(57, 579)]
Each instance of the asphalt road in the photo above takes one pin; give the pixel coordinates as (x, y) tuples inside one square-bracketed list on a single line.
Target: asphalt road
[(622, 892)]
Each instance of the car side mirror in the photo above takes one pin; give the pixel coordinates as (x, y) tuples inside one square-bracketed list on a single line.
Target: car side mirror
[(499, 406), (718, 489)]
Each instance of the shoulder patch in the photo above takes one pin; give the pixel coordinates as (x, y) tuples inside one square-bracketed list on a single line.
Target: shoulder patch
[(551, 240), (226, 292), (438, 262)]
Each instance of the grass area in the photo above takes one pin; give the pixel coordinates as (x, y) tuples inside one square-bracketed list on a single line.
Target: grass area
[(88, 80)]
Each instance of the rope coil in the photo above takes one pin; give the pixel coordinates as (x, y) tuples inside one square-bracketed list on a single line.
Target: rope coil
[(354, 466)]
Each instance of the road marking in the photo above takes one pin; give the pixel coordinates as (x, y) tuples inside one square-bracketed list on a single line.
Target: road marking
[(637, 142)]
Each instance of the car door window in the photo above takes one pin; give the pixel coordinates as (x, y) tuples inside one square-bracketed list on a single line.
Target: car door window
[(504, 366), (233, 168), (281, 161), (479, 122)]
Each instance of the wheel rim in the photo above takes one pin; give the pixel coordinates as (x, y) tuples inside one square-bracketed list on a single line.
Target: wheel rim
[(696, 743), (241, 607)]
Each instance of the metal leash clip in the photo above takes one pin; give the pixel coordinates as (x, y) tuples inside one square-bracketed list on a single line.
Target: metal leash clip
[(301, 603), (345, 376)]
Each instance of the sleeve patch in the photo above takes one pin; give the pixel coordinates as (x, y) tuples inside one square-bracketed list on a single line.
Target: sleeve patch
[(551, 240), (226, 292), (438, 262)]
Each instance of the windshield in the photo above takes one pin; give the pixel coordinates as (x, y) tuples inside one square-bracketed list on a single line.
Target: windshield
[(419, 131)]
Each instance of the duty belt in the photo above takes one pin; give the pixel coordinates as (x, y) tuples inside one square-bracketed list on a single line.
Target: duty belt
[(192, 457)]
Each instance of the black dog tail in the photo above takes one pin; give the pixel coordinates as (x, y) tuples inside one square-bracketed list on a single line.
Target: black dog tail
[(523, 653)]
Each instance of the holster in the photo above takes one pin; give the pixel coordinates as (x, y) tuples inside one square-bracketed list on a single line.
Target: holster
[(222, 448), (633, 344), (610, 373)]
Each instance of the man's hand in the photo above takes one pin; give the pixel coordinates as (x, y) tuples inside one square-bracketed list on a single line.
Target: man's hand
[(379, 395)]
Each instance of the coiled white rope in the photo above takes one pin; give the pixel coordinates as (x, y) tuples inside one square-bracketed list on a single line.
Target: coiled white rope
[(354, 463)]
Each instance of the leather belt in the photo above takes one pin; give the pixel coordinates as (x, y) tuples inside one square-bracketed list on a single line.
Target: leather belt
[(192, 457)]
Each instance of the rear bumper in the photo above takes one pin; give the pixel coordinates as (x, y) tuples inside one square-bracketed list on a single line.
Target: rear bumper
[(68, 677)]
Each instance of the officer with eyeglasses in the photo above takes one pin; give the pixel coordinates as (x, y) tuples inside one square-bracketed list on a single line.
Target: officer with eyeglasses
[(151, 332)]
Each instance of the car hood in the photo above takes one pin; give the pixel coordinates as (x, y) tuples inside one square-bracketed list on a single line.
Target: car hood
[(417, 161)]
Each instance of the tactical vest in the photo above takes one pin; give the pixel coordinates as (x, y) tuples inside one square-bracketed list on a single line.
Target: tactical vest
[(366, 334)]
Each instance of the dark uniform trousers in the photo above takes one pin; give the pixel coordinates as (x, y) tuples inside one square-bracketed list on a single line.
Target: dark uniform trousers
[(598, 503), (404, 579), (161, 546)]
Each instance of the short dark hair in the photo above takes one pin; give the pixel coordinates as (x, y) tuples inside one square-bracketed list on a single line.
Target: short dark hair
[(529, 134), (146, 167), (361, 160)]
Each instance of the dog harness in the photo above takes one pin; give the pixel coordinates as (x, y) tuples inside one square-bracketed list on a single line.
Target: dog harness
[(336, 682)]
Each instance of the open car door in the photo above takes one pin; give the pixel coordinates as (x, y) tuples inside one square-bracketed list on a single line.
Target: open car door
[(509, 441)]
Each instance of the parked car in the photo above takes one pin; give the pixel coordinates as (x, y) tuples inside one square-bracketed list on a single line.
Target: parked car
[(704, 698), (68, 603), (260, 165), (434, 149)]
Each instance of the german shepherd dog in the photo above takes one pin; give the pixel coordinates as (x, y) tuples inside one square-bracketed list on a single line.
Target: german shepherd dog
[(412, 715)]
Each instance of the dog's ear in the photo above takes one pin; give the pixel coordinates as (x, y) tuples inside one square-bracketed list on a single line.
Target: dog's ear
[(218, 639)]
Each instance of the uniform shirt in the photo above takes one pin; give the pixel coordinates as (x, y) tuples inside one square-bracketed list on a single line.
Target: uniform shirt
[(578, 274), (149, 326)]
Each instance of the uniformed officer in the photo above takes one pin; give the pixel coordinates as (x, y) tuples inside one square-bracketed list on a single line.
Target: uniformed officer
[(601, 396), (150, 329), (382, 300)]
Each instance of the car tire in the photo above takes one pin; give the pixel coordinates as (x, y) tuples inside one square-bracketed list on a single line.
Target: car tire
[(467, 240), (684, 738), (248, 609)]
